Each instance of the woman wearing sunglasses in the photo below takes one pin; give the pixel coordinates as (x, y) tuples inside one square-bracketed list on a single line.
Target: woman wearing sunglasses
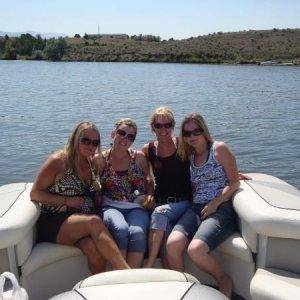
[(172, 181), (211, 219), (127, 186), (67, 187)]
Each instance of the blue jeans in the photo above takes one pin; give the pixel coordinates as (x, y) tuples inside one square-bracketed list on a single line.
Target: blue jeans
[(168, 215), (129, 227)]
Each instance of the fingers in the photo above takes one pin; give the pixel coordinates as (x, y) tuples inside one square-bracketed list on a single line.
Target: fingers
[(150, 201), (206, 212)]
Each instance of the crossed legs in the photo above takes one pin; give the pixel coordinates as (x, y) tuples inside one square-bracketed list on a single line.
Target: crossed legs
[(90, 234)]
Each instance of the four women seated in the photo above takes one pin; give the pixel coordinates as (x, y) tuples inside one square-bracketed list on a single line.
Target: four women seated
[(190, 207)]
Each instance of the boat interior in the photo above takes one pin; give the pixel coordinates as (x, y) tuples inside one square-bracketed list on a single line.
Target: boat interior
[(262, 257)]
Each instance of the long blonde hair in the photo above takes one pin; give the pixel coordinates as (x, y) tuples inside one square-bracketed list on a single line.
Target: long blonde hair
[(163, 111), (184, 149), (71, 149)]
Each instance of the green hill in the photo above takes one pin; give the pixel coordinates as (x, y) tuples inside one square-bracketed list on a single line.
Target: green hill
[(252, 46)]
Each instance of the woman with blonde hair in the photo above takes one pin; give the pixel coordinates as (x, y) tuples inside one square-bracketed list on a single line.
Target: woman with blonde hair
[(68, 188), (127, 189), (172, 181), (211, 219)]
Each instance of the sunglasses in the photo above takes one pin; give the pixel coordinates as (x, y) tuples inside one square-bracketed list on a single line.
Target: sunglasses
[(87, 141), (161, 125), (195, 132), (123, 133)]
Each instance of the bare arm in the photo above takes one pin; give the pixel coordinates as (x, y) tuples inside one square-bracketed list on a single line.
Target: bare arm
[(144, 165), (226, 158), (53, 167)]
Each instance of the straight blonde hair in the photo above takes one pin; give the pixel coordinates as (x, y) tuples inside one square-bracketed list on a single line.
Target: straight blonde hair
[(162, 111), (71, 149), (184, 149)]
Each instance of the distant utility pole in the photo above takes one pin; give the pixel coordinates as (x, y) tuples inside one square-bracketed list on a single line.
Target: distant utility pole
[(98, 29)]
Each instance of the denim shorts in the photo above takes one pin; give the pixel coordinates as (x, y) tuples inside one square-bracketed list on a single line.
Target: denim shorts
[(213, 230), (168, 215)]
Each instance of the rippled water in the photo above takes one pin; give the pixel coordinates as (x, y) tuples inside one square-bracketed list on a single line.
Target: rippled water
[(256, 110)]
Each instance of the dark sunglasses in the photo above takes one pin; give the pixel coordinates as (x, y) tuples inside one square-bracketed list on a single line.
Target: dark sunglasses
[(161, 125), (195, 132), (123, 133), (87, 141)]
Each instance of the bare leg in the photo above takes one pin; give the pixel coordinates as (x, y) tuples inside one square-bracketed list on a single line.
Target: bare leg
[(199, 253), (78, 226), (155, 241), (135, 259), (176, 245), (96, 261)]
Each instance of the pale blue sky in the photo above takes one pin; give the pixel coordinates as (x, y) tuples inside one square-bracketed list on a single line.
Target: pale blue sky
[(166, 18)]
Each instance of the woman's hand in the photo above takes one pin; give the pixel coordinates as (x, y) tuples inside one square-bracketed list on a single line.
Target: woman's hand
[(210, 208), (75, 202), (243, 176), (149, 202)]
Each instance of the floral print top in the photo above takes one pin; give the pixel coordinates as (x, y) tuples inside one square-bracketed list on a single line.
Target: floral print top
[(123, 185)]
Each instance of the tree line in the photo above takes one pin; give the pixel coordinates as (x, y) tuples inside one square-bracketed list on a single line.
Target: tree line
[(29, 47), (253, 46)]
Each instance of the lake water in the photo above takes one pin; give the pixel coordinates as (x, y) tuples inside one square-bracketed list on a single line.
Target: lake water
[(256, 110)]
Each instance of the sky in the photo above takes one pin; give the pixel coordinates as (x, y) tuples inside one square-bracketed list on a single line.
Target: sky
[(166, 18)]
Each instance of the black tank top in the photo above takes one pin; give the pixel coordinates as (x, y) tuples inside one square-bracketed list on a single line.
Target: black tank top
[(172, 175)]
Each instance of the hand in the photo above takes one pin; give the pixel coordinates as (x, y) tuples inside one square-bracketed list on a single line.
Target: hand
[(149, 202), (75, 202), (209, 209), (243, 176)]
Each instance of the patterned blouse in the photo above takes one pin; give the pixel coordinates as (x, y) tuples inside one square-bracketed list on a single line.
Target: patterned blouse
[(123, 185), (208, 180), (71, 185)]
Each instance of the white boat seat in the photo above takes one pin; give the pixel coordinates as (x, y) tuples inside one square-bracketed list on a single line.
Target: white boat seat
[(235, 245), (275, 284), (135, 284), (44, 254), (136, 276)]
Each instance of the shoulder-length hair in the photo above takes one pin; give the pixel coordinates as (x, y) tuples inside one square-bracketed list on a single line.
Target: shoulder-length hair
[(163, 112), (184, 149), (71, 149)]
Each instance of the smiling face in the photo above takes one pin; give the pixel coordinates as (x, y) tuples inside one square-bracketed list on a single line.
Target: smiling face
[(162, 127), (88, 142), (123, 136)]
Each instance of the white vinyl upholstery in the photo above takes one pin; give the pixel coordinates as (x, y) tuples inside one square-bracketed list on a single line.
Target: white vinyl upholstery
[(138, 284), (136, 276), (275, 284)]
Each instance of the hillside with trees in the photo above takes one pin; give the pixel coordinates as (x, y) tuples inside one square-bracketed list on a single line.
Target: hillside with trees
[(242, 47)]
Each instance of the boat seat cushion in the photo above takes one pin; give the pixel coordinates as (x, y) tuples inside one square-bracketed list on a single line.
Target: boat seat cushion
[(44, 254), (235, 246), (141, 283), (270, 284), (136, 276)]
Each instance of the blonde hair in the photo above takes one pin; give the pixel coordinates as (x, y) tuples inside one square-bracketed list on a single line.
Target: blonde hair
[(71, 149), (184, 149), (128, 122), (163, 112)]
